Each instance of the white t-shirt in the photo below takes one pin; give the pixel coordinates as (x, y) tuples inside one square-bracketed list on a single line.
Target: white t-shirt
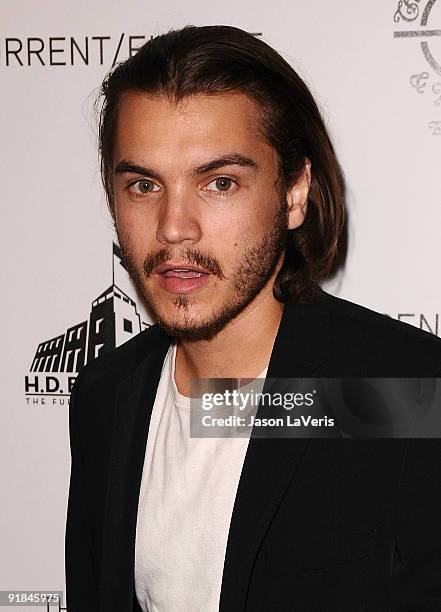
[(186, 500)]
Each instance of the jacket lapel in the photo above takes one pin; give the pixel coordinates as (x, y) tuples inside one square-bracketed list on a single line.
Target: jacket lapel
[(302, 344)]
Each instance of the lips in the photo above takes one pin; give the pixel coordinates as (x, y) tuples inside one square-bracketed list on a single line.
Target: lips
[(182, 278)]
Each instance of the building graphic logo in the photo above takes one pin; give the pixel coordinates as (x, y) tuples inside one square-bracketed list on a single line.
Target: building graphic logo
[(417, 22), (114, 318)]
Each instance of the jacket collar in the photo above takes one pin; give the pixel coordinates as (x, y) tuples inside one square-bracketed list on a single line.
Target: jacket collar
[(303, 343), (304, 339)]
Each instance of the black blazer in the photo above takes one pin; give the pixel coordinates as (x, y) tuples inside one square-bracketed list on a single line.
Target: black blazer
[(318, 525)]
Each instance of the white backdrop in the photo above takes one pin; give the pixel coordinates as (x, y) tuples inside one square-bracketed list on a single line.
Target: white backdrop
[(375, 69)]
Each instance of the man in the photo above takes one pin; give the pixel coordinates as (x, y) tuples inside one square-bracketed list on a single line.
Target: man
[(227, 200)]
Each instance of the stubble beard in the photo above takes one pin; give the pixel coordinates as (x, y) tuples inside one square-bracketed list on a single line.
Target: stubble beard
[(254, 271)]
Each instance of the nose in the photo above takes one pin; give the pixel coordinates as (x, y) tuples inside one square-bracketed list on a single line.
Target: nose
[(179, 218)]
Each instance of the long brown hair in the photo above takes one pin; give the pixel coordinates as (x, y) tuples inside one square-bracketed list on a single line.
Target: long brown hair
[(220, 59)]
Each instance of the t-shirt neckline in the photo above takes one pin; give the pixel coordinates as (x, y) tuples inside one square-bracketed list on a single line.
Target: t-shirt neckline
[(182, 402)]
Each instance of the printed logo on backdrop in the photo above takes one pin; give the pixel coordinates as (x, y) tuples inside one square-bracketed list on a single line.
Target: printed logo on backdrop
[(420, 25), (59, 51), (114, 318)]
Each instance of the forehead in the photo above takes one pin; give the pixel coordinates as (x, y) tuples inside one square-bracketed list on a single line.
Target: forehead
[(195, 127)]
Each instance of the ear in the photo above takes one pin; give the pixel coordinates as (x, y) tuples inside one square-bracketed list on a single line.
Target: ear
[(297, 197)]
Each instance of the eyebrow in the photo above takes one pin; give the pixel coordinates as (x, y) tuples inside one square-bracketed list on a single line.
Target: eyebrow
[(233, 159)]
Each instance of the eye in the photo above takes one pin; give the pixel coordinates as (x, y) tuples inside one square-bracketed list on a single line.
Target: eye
[(222, 184), (143, 186)]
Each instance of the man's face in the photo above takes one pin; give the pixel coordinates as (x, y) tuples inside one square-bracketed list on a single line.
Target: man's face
[(198, 212)]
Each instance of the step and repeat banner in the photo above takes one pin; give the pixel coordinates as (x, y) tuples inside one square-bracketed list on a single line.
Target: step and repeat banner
[(375, 70)]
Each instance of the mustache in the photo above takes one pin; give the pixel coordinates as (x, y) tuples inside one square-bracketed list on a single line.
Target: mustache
[(190, 256)]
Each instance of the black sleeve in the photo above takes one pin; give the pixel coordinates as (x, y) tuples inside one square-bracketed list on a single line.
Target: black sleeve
[(81, 585), (416, 582)]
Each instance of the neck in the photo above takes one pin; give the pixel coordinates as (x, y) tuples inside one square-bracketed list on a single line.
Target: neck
[(241, 350)]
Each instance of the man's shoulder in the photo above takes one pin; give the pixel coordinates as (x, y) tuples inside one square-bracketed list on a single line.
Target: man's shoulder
[(360, 318), (371, 332)]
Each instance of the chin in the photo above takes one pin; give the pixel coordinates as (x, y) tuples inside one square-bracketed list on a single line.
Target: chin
[(189, 333), (191, 328), (184, 318)]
